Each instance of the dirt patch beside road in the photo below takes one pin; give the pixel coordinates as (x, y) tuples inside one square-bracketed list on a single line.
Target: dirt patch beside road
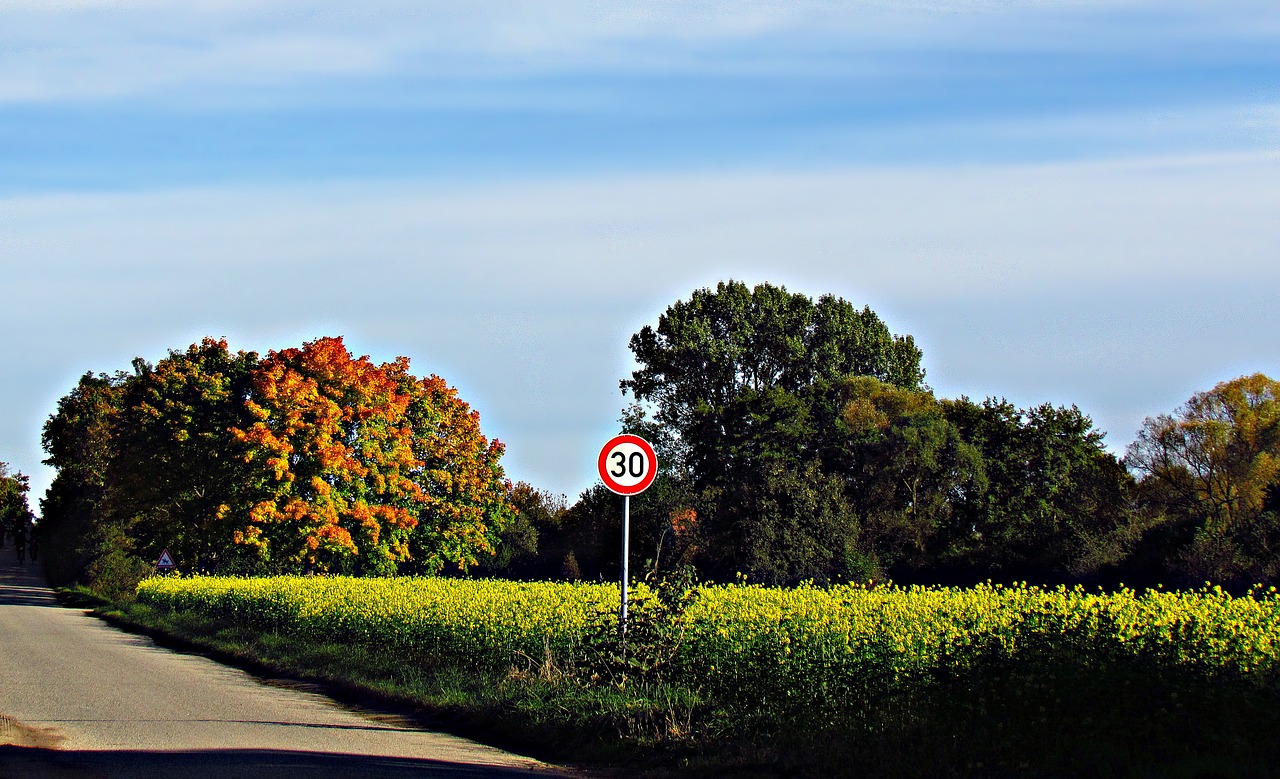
[(14, 733)]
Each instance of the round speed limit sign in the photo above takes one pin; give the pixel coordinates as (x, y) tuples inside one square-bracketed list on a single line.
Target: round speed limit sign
[(628, 464)]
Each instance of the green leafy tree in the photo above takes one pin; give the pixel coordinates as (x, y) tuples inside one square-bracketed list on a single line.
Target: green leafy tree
[(709, 351), (14, 511), (77, 542), (1055, 506), (740, 382), (178, 479), (906, 469)]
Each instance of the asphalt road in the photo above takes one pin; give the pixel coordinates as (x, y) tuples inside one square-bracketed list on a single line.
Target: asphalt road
[(79, 698)]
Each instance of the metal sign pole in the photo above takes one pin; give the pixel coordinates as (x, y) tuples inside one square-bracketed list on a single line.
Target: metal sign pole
[(626, 553), (627, 466)]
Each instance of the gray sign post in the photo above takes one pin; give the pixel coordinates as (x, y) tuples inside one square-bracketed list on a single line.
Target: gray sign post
[(627, 465)]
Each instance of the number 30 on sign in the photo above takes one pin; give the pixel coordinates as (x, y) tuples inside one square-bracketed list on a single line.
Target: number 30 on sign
[(628, 464)]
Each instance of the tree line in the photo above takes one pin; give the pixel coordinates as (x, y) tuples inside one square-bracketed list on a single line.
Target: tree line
[(797, 441), (306, 460), (16, 519)]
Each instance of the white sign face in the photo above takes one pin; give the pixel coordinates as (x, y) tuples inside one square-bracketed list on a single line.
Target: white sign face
[(165, 561), (628, 464)]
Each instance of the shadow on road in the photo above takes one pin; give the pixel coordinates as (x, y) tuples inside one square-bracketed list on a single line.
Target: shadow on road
[(30, 763), (22, 583)]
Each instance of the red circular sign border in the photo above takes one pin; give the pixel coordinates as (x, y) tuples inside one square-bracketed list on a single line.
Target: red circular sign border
[(638, 487)]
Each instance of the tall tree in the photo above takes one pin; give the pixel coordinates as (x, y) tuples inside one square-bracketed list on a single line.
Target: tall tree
[(365, 468), (14, 510), (78, 439), (710, 350), (741, 383)]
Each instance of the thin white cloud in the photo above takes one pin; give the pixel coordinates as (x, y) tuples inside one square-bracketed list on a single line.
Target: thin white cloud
[(104, 50), (974, 231)]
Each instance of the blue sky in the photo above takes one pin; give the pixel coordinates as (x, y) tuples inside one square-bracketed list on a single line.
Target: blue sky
[(1071, 202)]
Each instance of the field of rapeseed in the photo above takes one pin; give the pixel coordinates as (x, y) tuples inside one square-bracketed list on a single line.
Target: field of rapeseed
[(802, 639), (769, 659), (431, 620)]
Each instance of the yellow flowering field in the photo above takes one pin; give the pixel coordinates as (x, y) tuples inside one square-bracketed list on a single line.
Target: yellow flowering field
[(433, 619), (744, 642), (808, 645)]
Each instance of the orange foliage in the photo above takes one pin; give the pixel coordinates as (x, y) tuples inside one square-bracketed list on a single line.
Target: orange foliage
[(354, 456), (684, 525), (683, 521), (468, 497)]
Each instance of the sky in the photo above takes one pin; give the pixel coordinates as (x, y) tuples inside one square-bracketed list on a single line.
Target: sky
[(1063, 201)]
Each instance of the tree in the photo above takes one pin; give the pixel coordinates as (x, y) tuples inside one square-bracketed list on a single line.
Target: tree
[(330, 441), (708, 351), (1055, 505), (465, 498), (363, 467), (77, 541), (308, 459), (1209, 468), (14, 511), (741, 383), (178, 479), (1217, 455), (906, 469)]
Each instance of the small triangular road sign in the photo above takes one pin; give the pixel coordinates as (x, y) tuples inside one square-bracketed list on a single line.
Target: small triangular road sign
[(165, 563)]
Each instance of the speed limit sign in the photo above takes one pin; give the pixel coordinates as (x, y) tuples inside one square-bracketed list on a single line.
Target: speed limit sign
[(628, 464)]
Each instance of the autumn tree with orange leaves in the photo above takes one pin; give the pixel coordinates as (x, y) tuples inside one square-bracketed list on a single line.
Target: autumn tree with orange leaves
[(365, 468), (466, 497), (309, 459)]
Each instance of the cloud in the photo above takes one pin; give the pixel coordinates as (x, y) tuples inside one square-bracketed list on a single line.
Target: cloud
[(207, 50), (977, 230)]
